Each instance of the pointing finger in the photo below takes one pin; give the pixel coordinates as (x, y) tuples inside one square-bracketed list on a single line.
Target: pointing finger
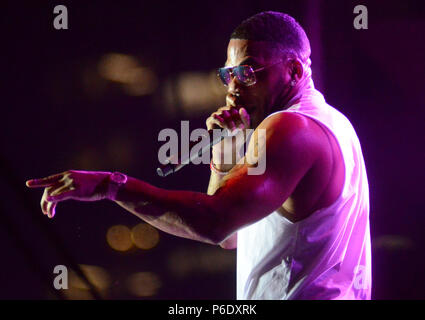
[(44, 182)]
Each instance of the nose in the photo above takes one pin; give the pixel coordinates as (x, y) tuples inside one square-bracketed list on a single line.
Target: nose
[(234, 85)]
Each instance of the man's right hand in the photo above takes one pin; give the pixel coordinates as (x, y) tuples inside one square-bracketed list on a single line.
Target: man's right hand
[(236, 120)]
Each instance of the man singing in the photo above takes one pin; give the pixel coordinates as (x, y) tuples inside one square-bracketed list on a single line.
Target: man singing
[(301, 228)]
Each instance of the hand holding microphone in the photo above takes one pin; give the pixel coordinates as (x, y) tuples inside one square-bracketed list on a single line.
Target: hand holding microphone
[(235, 120)]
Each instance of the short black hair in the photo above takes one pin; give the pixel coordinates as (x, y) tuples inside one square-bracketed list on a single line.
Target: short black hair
[(278, 28)]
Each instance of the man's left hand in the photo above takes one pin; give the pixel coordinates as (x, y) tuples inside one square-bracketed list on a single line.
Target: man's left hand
[(71, 184)]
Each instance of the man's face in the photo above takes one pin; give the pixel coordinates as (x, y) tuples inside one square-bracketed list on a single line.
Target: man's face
[(272, 82)]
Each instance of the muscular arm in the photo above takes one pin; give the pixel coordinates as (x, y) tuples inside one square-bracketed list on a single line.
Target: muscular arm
[(239, 198), (214, 184)]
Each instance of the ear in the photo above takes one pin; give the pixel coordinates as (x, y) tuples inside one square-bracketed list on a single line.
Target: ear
[(296, 69)]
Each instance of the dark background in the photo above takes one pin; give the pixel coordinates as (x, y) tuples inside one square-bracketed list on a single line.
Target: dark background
[(58, 113)]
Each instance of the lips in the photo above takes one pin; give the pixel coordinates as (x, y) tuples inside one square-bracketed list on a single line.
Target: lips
[(233, 100), (236, 101)]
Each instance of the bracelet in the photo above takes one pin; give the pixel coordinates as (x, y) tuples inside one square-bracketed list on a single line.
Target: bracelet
[(115, 181), (214, 169)]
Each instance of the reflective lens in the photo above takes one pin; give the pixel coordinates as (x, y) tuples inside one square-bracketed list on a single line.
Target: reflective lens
[(244, 74), (225, 75)]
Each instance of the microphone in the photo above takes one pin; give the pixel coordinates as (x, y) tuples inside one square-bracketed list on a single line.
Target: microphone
[(168, 168)]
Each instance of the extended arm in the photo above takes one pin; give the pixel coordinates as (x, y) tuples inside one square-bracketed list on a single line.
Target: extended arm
[(240, 199), (235, 200)]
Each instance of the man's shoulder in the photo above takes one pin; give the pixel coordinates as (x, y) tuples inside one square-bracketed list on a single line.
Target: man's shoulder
[(287, 137), (283, 118), (288, 126)]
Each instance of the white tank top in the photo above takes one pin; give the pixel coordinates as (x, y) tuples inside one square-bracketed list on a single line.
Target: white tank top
[(324, 256)]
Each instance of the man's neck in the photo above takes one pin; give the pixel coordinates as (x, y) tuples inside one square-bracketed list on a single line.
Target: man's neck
[(299, 90), (293, 96)]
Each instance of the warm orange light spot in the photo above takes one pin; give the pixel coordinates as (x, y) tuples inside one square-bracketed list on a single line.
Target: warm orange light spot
[(185, 262), (77, 294), (125, 69), (144, 236), (143, 284), (97, 276), (119, 238)]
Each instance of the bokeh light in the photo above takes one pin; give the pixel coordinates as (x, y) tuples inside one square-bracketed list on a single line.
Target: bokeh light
[(143, 284), (77, 294), (137, 80), (144, 236), (200, 90), (184, 262), (392, 243), (78, 289), (117, 67), (97, 276), (194, 92), (119, 238)]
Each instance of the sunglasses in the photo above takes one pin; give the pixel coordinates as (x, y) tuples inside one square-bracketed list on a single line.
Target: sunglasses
[(245, 74)]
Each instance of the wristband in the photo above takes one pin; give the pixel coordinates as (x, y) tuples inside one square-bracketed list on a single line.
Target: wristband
[(116, 180)]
